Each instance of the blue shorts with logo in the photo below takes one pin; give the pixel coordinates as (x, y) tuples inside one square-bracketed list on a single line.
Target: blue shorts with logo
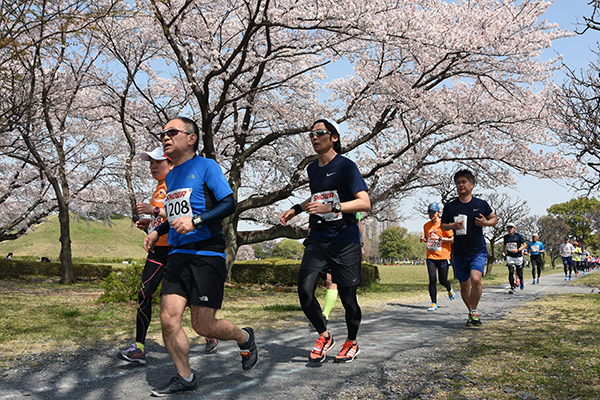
[(463, 265)]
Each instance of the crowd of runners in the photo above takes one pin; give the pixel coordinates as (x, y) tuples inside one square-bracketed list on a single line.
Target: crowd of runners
[(186, 249)]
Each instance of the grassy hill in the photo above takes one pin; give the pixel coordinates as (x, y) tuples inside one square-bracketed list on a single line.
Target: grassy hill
[(119, 239)]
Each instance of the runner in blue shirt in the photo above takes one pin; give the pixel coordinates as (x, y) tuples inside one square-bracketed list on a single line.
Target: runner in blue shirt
[(536, 251), (338, 192), (466, 216), (198, 198)]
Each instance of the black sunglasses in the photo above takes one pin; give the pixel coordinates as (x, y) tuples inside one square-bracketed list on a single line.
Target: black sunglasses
[(319, 133), (172, 132)]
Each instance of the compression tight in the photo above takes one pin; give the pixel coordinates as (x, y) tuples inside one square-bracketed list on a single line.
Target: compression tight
[(151, 277), (312, 309), (511, 274), (536, 263), (433, 271)]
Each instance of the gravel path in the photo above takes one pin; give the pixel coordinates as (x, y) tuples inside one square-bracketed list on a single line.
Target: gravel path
[(395, 347)]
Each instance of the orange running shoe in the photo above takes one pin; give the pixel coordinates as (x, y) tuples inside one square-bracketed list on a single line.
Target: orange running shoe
[(348, 353), (321, 346)]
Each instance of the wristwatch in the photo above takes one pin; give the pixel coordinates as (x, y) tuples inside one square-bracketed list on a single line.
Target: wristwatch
[(336, 207), (197, 220), (156, 211)]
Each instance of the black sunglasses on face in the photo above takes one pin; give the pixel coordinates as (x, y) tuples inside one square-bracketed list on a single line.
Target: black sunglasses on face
[(172, 132), (319, 133)]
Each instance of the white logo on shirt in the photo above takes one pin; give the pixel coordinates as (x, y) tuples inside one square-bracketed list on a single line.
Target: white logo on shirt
[(330, 174)]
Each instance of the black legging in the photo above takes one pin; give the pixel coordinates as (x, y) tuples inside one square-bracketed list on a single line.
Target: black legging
[(536, 263), (151, 277), (511, 274), (433, 271), (312, 309)]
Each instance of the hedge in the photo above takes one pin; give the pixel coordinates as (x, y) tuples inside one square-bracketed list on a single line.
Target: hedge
[(17, 268), (284, 272)]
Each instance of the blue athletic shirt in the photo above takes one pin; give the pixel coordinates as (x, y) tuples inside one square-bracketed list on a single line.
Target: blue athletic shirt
[(514, 241), (535, 248), (337, 181), (473, 241), (198, 182)]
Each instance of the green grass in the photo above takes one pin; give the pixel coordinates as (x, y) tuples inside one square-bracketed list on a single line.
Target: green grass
[(119, 239), (547, 349)]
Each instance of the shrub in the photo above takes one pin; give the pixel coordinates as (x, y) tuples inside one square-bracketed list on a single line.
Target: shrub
[(284, 272), (123, 285), (18, 268)]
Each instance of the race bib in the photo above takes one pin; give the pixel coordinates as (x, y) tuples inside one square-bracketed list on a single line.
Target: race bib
[(155, 222), (328, 197), (434, 244), (535, 248), (177, 204), (512, 246)]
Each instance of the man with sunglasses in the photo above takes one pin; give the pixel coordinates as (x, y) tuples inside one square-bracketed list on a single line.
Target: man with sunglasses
[(198, 198), (338, 192)]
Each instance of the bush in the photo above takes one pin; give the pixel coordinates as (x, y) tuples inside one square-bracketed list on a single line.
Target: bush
[(284, 272), (123, 285), (18, 268)]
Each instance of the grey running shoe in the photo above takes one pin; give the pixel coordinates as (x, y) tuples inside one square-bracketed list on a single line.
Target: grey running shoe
[(211, 345), (176, 384), (133, 354), (249, 350)]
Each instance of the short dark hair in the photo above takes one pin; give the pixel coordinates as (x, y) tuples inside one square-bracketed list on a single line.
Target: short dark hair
[(465, 173), (337, 146), (191, 126)]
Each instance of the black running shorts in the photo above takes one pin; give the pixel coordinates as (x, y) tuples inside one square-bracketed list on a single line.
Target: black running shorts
[(200, 279), (341, 260)]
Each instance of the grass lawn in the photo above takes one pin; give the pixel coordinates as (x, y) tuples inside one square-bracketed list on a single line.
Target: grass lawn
[(547, 349)]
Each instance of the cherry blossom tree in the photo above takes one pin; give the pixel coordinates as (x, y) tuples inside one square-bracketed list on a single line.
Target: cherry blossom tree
[(433, 85), (53, 132)]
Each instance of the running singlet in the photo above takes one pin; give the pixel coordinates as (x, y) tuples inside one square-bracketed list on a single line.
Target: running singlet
[(193, 188), (472, 242), (514, 242), (436, 249), (157, 201), (337, 181)]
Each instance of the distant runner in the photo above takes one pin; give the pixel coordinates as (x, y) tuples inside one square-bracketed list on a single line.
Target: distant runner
[(536, 252)]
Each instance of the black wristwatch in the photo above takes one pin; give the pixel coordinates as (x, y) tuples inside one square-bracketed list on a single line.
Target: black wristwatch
[(156, 211), (197, 220), (336, 207)]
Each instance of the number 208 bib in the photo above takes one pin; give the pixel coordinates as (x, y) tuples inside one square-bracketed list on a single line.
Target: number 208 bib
[(177, 204)]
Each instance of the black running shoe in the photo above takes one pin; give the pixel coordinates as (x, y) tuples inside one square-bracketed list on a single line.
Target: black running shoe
[(176, 384), (249, 350)]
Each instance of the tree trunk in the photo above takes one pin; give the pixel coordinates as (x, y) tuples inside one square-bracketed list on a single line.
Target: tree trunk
[(66, 261), (231, 245), (490, 259)]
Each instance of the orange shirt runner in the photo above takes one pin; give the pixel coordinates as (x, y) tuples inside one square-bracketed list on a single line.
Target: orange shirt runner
[(157, 201), (436, 249)]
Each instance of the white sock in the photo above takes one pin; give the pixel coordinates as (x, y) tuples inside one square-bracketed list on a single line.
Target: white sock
[(188, 380)]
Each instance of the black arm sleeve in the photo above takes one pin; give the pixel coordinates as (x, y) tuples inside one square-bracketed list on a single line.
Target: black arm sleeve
[(222, 209), (163, 228)]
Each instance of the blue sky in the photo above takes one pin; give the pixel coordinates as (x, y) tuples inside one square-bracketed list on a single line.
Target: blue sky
[(542, 193)]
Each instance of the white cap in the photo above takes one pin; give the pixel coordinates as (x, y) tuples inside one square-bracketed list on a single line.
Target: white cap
[(509, 224), (156, 154)]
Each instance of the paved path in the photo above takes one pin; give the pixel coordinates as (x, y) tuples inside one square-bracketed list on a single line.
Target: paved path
[(283, 371)]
